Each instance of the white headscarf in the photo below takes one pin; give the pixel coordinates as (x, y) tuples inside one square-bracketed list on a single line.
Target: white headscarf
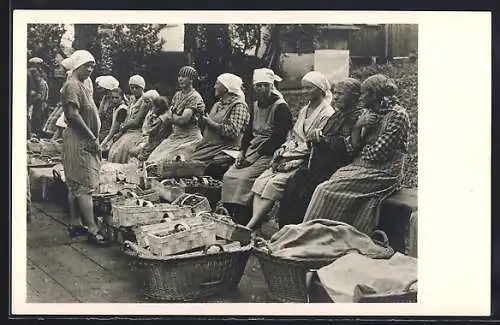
[(232, 83), (320, 81), (151, 94), (107, 82), (137, 80), (79, 58), (265, 75)]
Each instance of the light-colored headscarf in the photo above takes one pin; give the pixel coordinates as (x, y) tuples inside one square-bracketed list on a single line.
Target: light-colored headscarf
[(151, 94), (107, 82), (79, 58), (265, 75), (137, 80), (232, 83), (320, 81), (268, 76), (35, 60)]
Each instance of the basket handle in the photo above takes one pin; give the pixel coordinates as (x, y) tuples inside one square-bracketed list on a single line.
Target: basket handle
[(409, 285), (222, 210), (56, 175), (380, 237), (205, 250), (261, 243), (186, 226)]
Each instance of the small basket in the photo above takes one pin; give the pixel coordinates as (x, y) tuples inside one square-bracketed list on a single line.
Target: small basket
[(178, 168), (406, 296), (167, 189), (197, 202), (285, 277), (206, 186), (226, 228), (183, 238), (187, 277), (185, 216), (127, 215)]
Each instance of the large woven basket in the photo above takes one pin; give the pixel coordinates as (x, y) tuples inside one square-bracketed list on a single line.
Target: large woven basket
[(188, 277), (287, 277)]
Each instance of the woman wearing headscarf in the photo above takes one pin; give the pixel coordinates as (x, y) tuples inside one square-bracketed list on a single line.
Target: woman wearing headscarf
[(81, 154), (224, 125), (129, 134), (354, 193), (154, 130), (270, 122), (330, 152), (118, 113), (186, 109), (104, 85), (294, 153)]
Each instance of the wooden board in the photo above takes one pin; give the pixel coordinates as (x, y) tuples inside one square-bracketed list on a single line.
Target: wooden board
[(43, 288), (45, 231), (84, 279)]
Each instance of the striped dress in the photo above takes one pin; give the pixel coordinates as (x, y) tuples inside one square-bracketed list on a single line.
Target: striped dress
[(81, 165), (354, 193)]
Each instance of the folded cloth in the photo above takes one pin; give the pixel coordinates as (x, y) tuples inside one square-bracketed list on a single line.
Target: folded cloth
[(323, 239), (351, 276)]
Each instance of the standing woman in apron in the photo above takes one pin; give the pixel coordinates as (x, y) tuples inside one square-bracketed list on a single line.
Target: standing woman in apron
[(270, 122), (81, 154), (224, 126)]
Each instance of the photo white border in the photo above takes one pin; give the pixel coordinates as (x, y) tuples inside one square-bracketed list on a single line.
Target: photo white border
[(454, 89)]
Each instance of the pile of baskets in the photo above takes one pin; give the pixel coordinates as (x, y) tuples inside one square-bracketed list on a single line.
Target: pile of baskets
[(189, 255)]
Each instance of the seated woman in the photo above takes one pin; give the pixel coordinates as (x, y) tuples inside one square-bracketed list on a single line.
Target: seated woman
[(330, 153), (270, 122), (118, 111), (104, 85), (224, 125), (130, 134), (187, 108), (154, 130), (353, 194), (294, 153)]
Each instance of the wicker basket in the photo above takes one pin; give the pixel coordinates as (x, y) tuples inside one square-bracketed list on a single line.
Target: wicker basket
[(226, 228), (127, 215), (188, 277), (178, 168), (183, 238), (285, 277), (184, 215), (197, 202), (205, 186), (167, 189)]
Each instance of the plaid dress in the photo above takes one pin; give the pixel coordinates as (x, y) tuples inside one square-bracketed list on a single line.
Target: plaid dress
[(354, 193)]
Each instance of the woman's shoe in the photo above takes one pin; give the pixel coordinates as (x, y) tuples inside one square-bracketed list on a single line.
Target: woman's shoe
[(75, 231), (98, 239)]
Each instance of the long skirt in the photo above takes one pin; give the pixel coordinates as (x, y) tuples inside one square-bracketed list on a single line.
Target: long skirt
[(81, 167), (119, 151), (352, 195), (272, 185), (177, 144), (238, 182)]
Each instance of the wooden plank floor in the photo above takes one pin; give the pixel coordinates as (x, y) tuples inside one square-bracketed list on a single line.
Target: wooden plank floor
[(63, 269)]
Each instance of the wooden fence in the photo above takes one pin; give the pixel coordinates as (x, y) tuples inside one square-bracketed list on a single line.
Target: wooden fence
[(384, 41)]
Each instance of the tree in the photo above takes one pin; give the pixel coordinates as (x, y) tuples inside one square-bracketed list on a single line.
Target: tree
[(44, 41)]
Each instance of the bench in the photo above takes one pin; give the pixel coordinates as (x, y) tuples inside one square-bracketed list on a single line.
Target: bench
[(398, 219)]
